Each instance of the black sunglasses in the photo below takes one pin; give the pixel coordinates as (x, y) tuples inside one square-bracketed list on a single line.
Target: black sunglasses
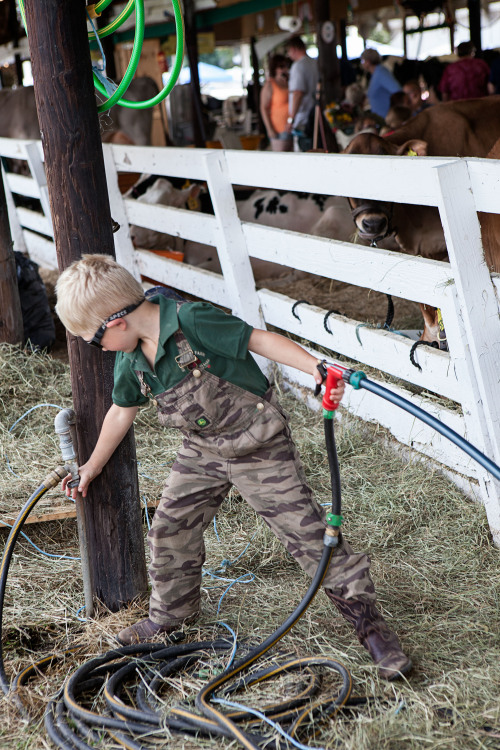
[(96, 339)]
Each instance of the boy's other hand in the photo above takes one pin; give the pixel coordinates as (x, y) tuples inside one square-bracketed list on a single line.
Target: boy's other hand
[(87, 474)]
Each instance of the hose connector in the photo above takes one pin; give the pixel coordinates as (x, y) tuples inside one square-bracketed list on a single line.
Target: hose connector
[(355, 378), (55, 476), (331, 537), (332, 531)]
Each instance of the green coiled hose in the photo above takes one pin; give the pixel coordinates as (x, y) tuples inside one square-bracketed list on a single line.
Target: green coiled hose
[(116, 97)]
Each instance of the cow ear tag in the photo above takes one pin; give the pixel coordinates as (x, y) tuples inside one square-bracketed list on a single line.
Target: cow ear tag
[(411, 152)]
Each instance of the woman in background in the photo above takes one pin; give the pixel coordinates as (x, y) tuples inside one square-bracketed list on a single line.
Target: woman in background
[(274, 104)]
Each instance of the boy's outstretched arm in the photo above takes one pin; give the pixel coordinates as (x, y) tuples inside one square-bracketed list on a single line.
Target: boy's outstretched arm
[(114, 428), (287, 352)]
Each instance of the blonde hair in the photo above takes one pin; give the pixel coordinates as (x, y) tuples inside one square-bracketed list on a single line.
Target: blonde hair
[(91, 289)]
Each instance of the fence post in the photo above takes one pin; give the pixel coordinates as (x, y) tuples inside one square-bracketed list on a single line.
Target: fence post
[(124, 249), (38, 173), (231, 244), (15, 226), (476, 325)]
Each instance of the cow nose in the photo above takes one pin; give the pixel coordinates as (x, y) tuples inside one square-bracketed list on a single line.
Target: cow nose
[(374, 225)]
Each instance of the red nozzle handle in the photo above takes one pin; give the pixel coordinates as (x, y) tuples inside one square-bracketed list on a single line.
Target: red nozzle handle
[(332, 378)]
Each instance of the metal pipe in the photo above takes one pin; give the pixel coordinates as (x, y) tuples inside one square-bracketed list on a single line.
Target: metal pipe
[(65, 427)]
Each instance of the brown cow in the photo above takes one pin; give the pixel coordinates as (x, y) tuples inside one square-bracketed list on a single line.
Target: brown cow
[(459, 128)]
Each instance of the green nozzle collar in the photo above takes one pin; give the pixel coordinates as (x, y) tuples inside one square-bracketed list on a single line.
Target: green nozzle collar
[(356, 377), (333, 520)]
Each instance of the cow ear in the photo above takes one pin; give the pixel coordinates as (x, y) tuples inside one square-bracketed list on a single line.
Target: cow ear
[(413, 148)]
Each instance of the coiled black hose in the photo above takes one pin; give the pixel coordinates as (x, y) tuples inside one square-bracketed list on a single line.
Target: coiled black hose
[(141, 670)]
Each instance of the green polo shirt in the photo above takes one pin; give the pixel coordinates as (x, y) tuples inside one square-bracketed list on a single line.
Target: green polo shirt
[(220, 342)]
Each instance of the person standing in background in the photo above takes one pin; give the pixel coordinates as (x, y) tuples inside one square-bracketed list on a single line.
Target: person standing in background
[(304, 77), (467, 78), (382, 83), (274, 104)]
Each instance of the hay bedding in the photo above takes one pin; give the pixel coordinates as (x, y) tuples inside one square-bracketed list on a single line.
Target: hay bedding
[(436, 572), (355, 302)]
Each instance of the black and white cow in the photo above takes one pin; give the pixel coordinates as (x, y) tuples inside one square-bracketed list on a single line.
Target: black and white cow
[(319, 215)]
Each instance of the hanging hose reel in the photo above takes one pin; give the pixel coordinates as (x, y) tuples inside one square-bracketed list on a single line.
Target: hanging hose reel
[(117, 96)]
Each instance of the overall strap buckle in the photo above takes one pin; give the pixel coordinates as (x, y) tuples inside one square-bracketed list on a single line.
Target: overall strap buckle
[(186, 357)]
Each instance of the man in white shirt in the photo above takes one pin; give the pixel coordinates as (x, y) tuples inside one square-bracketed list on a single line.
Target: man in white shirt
[(302, 85)]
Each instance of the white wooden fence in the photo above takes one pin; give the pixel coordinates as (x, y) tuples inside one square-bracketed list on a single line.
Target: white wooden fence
[(463, 288)]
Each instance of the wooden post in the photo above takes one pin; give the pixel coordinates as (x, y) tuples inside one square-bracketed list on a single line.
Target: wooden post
[(328, 64), (192, 53), (256, 88), (14, 35), (474, 7), (110, 517), (11, 319)]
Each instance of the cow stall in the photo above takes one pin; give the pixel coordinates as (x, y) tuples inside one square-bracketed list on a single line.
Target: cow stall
[(459, 387)]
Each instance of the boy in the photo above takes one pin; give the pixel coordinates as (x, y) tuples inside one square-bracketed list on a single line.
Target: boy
[(194, 361)]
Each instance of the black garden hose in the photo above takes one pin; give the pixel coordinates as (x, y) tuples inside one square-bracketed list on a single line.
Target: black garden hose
[(71, 725)]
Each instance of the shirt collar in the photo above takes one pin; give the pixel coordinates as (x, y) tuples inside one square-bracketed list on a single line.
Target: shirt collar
[(169, 324)]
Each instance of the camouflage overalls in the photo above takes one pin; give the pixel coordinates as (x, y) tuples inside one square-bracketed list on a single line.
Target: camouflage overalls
[(233, 437)]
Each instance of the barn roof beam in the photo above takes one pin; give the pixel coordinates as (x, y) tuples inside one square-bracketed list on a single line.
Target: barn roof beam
[(213, 16)]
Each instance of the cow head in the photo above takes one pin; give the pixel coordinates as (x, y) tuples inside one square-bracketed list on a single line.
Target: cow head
[(373, 219)]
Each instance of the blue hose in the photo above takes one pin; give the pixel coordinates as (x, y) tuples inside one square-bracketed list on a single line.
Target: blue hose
[(359, 380)]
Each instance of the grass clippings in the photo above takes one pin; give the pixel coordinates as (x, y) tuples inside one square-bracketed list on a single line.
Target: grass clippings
[(436, 571)]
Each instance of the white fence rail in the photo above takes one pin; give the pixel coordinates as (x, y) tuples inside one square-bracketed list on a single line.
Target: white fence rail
[(463, 288)]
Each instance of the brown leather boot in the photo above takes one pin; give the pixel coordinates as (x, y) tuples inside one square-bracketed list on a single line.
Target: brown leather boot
[(375, 635), (146, 629)]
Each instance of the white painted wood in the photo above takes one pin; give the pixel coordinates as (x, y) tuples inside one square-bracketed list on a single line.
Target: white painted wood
[(484, 177), (475, 425), (478, 310), (35, 221), (380, 349), (12, 148), (178, 222), (41, 250), (14, 221), (478, 304), (37, 170), (124, 249), (231, 245), (338, 174), (176, 162), (22, 185), (417, 279), (204, 284)]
